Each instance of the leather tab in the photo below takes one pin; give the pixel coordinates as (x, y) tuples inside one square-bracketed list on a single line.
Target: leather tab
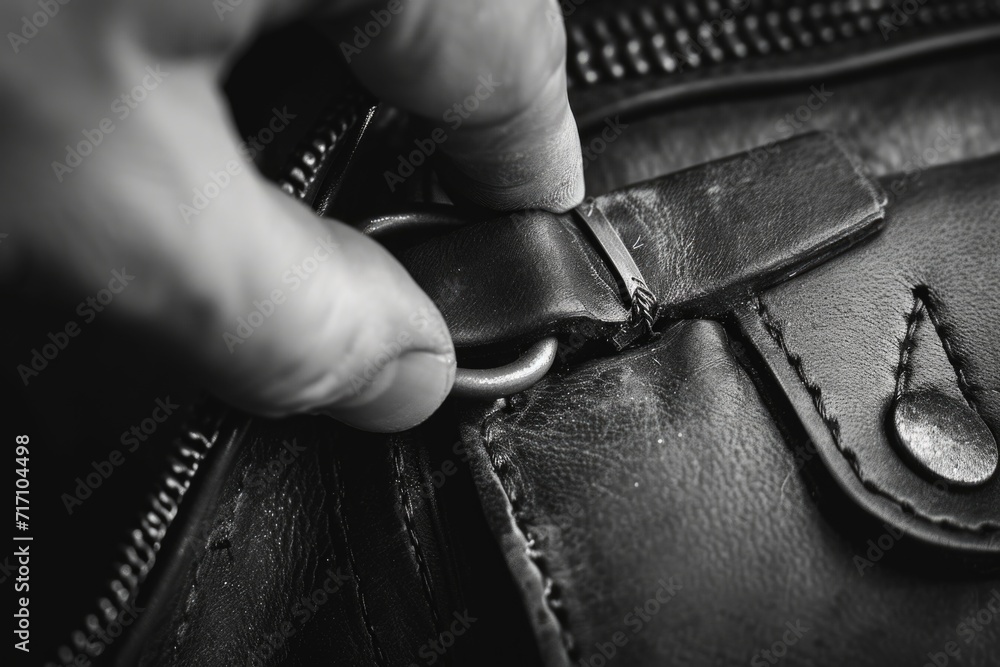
[(895, 343), (705, 238)]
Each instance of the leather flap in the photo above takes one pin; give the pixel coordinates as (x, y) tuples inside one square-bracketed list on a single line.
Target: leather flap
[(889, 358), (705, 238)]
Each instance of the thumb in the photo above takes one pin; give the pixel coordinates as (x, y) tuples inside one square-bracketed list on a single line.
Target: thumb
[(346, 331), (336, 326), (278, 311)]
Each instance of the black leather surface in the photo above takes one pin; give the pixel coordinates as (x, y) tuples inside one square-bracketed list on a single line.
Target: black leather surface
[(732, 499), (282, 567), (890, 118), (847, 335), (662, 468), (704, 238), (320, 543)]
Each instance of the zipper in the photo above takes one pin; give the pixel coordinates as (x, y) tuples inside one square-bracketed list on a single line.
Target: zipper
[(316, 169), (650, 38), (137, 556), (635, 40), (307, 177)]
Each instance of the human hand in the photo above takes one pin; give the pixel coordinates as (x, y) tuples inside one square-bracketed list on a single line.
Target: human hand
[(357, 338)]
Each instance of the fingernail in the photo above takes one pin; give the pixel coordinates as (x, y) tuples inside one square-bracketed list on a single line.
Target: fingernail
[(405, 393)]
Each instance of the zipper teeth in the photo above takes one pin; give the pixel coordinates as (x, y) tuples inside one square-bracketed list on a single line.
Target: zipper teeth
[(652, 38), (305, 165), (138, 555), (657, 38)]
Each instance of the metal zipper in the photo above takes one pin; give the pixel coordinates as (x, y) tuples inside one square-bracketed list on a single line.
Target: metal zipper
[(650, 38), (138, 555), (646, 38), (305, 166), (328, 148), (340, 127)]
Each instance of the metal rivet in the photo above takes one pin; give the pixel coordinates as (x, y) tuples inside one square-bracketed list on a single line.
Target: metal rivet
[(945, 437)]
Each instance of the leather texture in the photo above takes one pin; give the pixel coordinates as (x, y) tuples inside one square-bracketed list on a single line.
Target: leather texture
[(704, 239), (914, 310), (890, 119), (661, 471), (674, 504), (319, 540)]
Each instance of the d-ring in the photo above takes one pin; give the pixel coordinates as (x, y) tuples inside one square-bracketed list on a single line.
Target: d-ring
[(510, 379), (479, 383)]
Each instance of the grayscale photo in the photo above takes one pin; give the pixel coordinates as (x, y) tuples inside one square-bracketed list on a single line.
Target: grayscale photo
[(473, 333)]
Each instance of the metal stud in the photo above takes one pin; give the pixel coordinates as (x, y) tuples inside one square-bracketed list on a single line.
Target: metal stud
[(945, 438)]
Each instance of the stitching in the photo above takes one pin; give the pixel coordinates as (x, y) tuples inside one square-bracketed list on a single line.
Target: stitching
[(907, 345), (925, 302), (923, 293), (352, 563), (511, 483), (773, 328), (418, 552)]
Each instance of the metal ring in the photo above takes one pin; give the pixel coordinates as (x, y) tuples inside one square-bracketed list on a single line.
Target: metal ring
[(510, 379), (416, 223), (477, 383)]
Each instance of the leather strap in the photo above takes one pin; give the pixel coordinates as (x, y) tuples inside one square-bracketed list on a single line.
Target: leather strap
[(705, 238)]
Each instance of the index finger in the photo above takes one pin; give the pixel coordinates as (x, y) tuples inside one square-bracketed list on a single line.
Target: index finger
[(490, 77)]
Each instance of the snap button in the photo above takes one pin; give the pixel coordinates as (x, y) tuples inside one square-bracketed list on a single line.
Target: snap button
[(945, 437)]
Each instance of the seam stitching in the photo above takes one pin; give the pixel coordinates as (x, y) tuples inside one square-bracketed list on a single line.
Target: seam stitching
[(509, 477), (907, 345), (423, 570), (352, 563), (815, 392), (923, 293)]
